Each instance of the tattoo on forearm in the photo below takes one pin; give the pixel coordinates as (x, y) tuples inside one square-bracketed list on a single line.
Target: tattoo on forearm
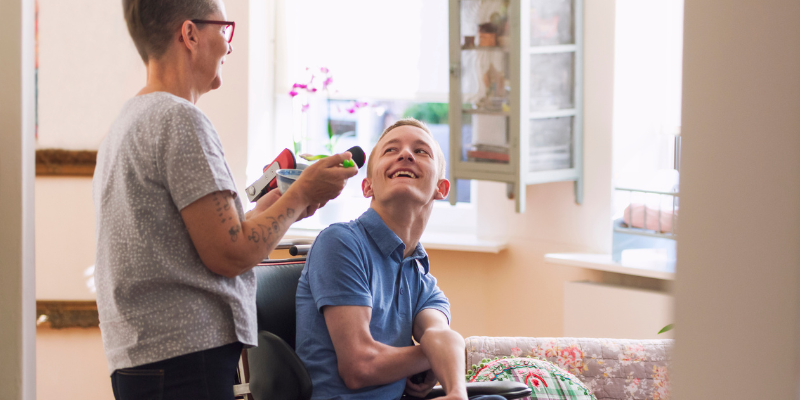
[(222, 207), (234, 232), (263, 233), (254, 236)]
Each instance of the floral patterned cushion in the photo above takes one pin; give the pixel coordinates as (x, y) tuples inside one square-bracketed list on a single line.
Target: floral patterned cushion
[(547, 381), (612, 369)]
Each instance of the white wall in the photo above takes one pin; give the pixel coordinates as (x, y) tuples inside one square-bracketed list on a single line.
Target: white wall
[(17, 301), (738, 270), (88, 68)]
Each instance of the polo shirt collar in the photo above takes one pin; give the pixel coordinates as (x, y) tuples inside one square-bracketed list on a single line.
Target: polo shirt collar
[(387, 241)]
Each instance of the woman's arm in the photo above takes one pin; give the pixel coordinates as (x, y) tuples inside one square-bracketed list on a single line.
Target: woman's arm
[(229, 246)]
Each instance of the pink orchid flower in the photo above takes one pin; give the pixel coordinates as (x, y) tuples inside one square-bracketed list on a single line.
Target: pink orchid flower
[(324, 70), (327, 82), (293, 93), (304, 107)]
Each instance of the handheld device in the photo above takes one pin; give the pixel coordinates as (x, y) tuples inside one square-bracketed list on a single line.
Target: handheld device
[(286, 160), (267, 181)]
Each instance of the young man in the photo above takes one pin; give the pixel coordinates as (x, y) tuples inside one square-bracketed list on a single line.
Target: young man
[(366, 287)]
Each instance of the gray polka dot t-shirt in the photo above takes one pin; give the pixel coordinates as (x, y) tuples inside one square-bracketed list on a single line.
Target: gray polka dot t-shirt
[(155, 297)]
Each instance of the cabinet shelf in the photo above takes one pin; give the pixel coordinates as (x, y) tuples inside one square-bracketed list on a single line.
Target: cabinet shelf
[(561, 48), (486, 48), (486, 112)]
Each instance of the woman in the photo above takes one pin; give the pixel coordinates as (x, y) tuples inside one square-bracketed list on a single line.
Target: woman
[(175, 290)]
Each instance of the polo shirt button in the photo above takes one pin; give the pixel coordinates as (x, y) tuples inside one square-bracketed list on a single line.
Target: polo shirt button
[(402, 291)]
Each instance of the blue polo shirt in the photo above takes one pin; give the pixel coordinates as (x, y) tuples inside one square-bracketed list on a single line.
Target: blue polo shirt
[(361, 263)]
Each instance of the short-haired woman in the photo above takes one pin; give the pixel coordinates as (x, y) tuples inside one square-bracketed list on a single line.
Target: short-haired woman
[(175, 289)]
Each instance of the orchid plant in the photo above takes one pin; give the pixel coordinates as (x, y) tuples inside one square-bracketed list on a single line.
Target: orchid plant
[(319, 84)]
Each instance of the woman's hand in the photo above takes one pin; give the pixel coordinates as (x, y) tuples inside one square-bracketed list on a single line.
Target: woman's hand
[(309, 211), (263, 203), (324, 180)]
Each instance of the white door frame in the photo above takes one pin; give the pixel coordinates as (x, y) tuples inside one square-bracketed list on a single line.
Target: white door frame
[(17, 174)]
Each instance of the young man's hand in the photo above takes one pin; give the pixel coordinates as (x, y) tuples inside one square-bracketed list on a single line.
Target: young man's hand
[(423, 388)]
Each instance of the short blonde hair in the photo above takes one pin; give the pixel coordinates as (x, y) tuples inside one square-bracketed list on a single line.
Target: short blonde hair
[(441, 166)]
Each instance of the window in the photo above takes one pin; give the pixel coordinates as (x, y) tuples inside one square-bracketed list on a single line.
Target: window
[(647, 105), (647, 96), (382, 69)]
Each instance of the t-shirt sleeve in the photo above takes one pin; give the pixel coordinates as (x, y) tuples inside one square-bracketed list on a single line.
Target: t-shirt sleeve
[(432, 297), (191, 159), (337, 270)]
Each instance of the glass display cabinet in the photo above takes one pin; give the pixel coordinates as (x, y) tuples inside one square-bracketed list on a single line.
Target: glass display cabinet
[(516, 93)]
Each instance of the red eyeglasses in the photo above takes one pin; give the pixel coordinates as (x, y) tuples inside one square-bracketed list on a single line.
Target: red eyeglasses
[(229, 26)]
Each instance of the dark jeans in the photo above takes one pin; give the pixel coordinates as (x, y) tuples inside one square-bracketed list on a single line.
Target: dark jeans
[(204, 375)]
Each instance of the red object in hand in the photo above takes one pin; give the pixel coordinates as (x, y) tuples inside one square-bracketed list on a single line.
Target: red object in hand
[(267, 181)]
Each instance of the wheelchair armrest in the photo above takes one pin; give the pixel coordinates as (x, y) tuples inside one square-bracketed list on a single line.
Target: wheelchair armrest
[(276, 373), (507, 389)]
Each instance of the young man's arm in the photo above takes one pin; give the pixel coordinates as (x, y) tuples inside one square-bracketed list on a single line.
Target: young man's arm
[(444, 349), (363, 361)]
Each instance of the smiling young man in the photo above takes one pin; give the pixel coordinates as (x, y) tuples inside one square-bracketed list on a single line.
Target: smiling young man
[(366, 289)]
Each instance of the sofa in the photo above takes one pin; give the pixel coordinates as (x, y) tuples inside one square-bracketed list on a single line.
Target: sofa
[(611, 368)]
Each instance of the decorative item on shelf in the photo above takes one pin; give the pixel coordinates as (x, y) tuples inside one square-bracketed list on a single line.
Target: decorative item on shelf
[(487, 35), (469, 42), (503, 32), (488, 153), (503, 41), (496, 94), (302, 91)]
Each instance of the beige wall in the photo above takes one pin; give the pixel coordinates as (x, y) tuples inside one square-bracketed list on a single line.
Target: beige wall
[(88, 67), (738, 287), (71, 365)]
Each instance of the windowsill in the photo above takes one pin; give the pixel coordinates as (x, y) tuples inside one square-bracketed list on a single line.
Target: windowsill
[(431, 241), (603, 262)]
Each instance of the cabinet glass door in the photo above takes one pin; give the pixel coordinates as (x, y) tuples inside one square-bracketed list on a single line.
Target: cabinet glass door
[(485, 80), (551, 101)]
